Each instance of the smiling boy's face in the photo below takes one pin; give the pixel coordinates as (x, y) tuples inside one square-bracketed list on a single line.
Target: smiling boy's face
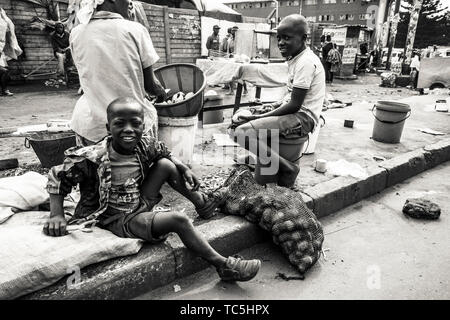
[(125, 125), (291, 38)]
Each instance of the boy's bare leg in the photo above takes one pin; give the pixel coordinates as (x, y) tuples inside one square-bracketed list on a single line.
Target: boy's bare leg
[(165, 222), (165, 171)]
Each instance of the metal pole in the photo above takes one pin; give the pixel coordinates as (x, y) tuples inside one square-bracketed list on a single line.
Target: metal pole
[(300, 6), (276, 12), (411, 35), (393, 32)]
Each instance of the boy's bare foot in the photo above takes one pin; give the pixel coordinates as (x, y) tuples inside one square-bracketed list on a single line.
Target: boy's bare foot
[(238, 269)]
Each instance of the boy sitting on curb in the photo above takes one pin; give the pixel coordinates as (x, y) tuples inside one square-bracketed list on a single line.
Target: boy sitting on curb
[(120, 180)]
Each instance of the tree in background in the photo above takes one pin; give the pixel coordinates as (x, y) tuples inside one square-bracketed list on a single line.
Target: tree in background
[(432, 28)]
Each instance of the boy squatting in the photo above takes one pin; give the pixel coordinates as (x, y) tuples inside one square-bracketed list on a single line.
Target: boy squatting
[(120, 179)]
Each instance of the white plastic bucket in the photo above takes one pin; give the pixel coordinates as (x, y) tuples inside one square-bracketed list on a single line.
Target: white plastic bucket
[(311, 144), (179, 136)]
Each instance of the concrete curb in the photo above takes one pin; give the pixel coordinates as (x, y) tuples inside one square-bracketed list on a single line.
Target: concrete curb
[(154, 266)]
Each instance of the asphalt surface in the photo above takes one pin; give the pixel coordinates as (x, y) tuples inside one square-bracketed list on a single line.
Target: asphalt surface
[(373, 251)]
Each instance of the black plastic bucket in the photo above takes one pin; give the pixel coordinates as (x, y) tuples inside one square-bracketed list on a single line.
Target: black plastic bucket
[(50, 147)]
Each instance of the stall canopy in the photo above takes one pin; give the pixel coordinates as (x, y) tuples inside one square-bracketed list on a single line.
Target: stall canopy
[(213, 6)]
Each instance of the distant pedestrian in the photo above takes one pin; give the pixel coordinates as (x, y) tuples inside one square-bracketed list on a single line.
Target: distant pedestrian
[(334, 59), (213, 42), (224, 44), (414, 74), (326, 48), (61, 47)]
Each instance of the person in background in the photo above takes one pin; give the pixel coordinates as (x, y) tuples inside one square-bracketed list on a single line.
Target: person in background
[(4, 76), (334, 59), (326, 48), (213, 42), (224, 44), (9, 50), (224, 50), (114, 58), (230, 51), (415, 67), (61, 46)]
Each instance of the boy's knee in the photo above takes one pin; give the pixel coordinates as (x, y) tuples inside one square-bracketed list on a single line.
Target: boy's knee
[(166, 165), (180, 220)]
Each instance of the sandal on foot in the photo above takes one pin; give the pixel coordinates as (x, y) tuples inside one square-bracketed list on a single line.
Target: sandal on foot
[(238, 269), (212, 202)]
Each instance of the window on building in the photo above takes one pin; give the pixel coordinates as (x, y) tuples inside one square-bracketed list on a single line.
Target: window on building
[(347, 16), (348, 1), (365, 16), (326, 17), (310, 2), (311, 19), (329, 1)]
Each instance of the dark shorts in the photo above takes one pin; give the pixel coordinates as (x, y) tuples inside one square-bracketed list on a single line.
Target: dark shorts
[(290, 126), (137, 224)]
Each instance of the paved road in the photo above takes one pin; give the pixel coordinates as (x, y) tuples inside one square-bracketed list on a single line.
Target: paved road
[(374, 252)]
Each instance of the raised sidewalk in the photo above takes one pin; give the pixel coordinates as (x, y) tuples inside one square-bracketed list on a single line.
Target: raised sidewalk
[(154, 266)]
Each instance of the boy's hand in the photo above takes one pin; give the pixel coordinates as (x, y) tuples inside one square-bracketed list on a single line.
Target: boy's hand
[(56, 226), (191, 179)]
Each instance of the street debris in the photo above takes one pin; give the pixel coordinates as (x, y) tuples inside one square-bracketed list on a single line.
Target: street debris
[(215, 180), (6, 164), (420, 208), (224, 140), (55, 83), (281, 211), (321, 165), (348, 123), (289, 278), (431, 131), (176, 288), (441, 105), (344, 168), (378, 158)]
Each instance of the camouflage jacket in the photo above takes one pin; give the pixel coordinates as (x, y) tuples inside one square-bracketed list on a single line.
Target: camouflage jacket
[(90, 168)]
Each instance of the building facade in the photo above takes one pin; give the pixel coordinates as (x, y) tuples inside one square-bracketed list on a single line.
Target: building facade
[(340, 12)]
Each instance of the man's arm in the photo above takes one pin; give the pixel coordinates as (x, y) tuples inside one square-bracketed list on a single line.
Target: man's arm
[(152, 84), (292, 106), (208, 43)]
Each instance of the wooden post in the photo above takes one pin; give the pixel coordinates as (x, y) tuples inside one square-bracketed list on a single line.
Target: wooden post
[(167, 35)]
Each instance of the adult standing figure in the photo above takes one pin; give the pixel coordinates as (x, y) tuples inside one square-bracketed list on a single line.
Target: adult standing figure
[(9, 50), (298, 113), (114, 58), (61, 46), (213, 42), (415, 67), (334, 59), (326, 48)]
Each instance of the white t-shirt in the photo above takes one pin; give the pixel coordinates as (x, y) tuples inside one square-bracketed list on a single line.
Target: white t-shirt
[(305, 71), (415, 63), (110, 54)]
